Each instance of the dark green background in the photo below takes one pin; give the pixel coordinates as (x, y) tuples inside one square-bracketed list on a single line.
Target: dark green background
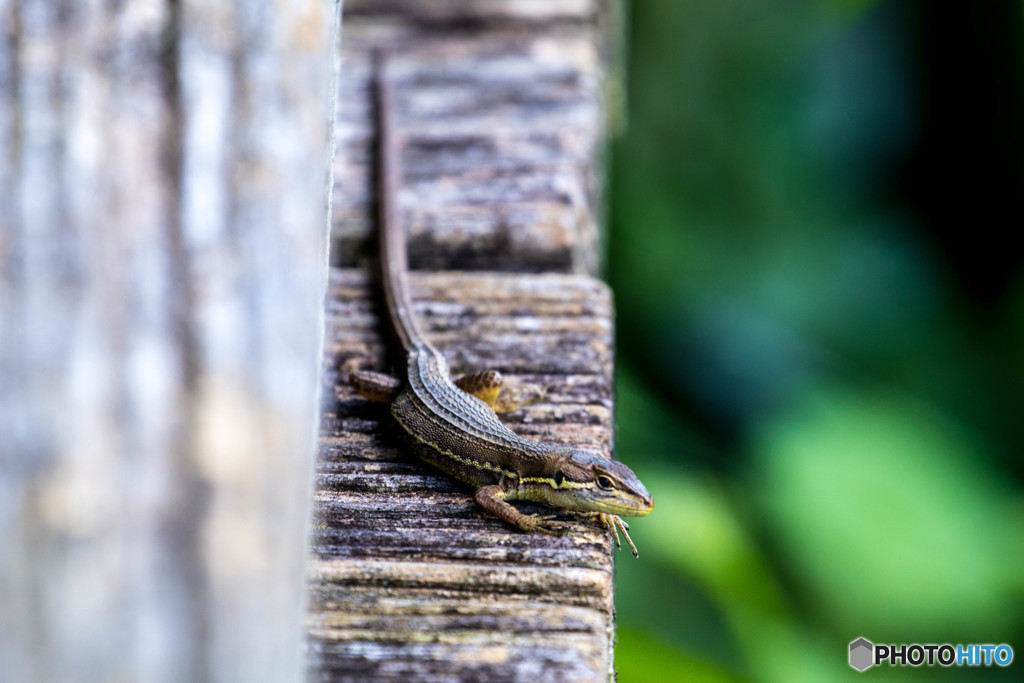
[(813, 225)]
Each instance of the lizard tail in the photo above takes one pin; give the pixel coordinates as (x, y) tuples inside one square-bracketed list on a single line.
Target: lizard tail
[(393, 240)]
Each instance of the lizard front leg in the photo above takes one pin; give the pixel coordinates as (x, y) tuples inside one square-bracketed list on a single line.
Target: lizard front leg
[(493, 500), (612, 523)]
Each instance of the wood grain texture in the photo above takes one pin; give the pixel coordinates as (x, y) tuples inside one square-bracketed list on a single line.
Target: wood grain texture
[(163, 230), (502, 140), (478, 12), (409, 580)]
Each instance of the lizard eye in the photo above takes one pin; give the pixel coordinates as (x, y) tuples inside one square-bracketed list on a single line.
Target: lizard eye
[(558, 478), (604, 482)]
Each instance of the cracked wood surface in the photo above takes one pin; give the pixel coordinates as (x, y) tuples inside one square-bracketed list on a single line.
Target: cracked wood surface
[(409, 579), (500, 113), (502, 133)]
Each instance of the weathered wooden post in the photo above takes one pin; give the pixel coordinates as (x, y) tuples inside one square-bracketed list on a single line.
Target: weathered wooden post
[(500, 106), (163, 224)]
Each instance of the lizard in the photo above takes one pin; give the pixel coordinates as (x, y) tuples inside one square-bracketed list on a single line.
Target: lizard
[(452, 425)]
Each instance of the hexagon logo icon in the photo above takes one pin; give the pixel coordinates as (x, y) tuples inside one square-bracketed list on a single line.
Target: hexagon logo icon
[(862, 653)]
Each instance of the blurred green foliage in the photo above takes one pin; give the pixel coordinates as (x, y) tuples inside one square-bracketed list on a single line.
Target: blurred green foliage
[(827, 411)]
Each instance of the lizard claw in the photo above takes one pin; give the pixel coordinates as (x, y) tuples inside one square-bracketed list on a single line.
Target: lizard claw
[(545, 524), (513, 398), (613, 523)]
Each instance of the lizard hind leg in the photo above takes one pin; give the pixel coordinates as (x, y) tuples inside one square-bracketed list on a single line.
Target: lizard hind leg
[(484, 385), (375, 386), (489, 387)]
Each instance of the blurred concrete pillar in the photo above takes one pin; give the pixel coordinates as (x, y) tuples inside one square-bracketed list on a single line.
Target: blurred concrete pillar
[(163, 225)]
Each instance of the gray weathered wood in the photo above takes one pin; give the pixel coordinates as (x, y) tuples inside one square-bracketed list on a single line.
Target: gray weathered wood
[(409, 580), (163, 226), (500, 108), (503, 136), (489, 13)]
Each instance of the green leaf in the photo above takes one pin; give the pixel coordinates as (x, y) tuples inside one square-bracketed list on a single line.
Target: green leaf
[(891, 518)]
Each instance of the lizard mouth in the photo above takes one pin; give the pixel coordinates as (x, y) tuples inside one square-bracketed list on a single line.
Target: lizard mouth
[(626, 508)]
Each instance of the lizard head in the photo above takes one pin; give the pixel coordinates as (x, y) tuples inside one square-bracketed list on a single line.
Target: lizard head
[(588, 482)]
